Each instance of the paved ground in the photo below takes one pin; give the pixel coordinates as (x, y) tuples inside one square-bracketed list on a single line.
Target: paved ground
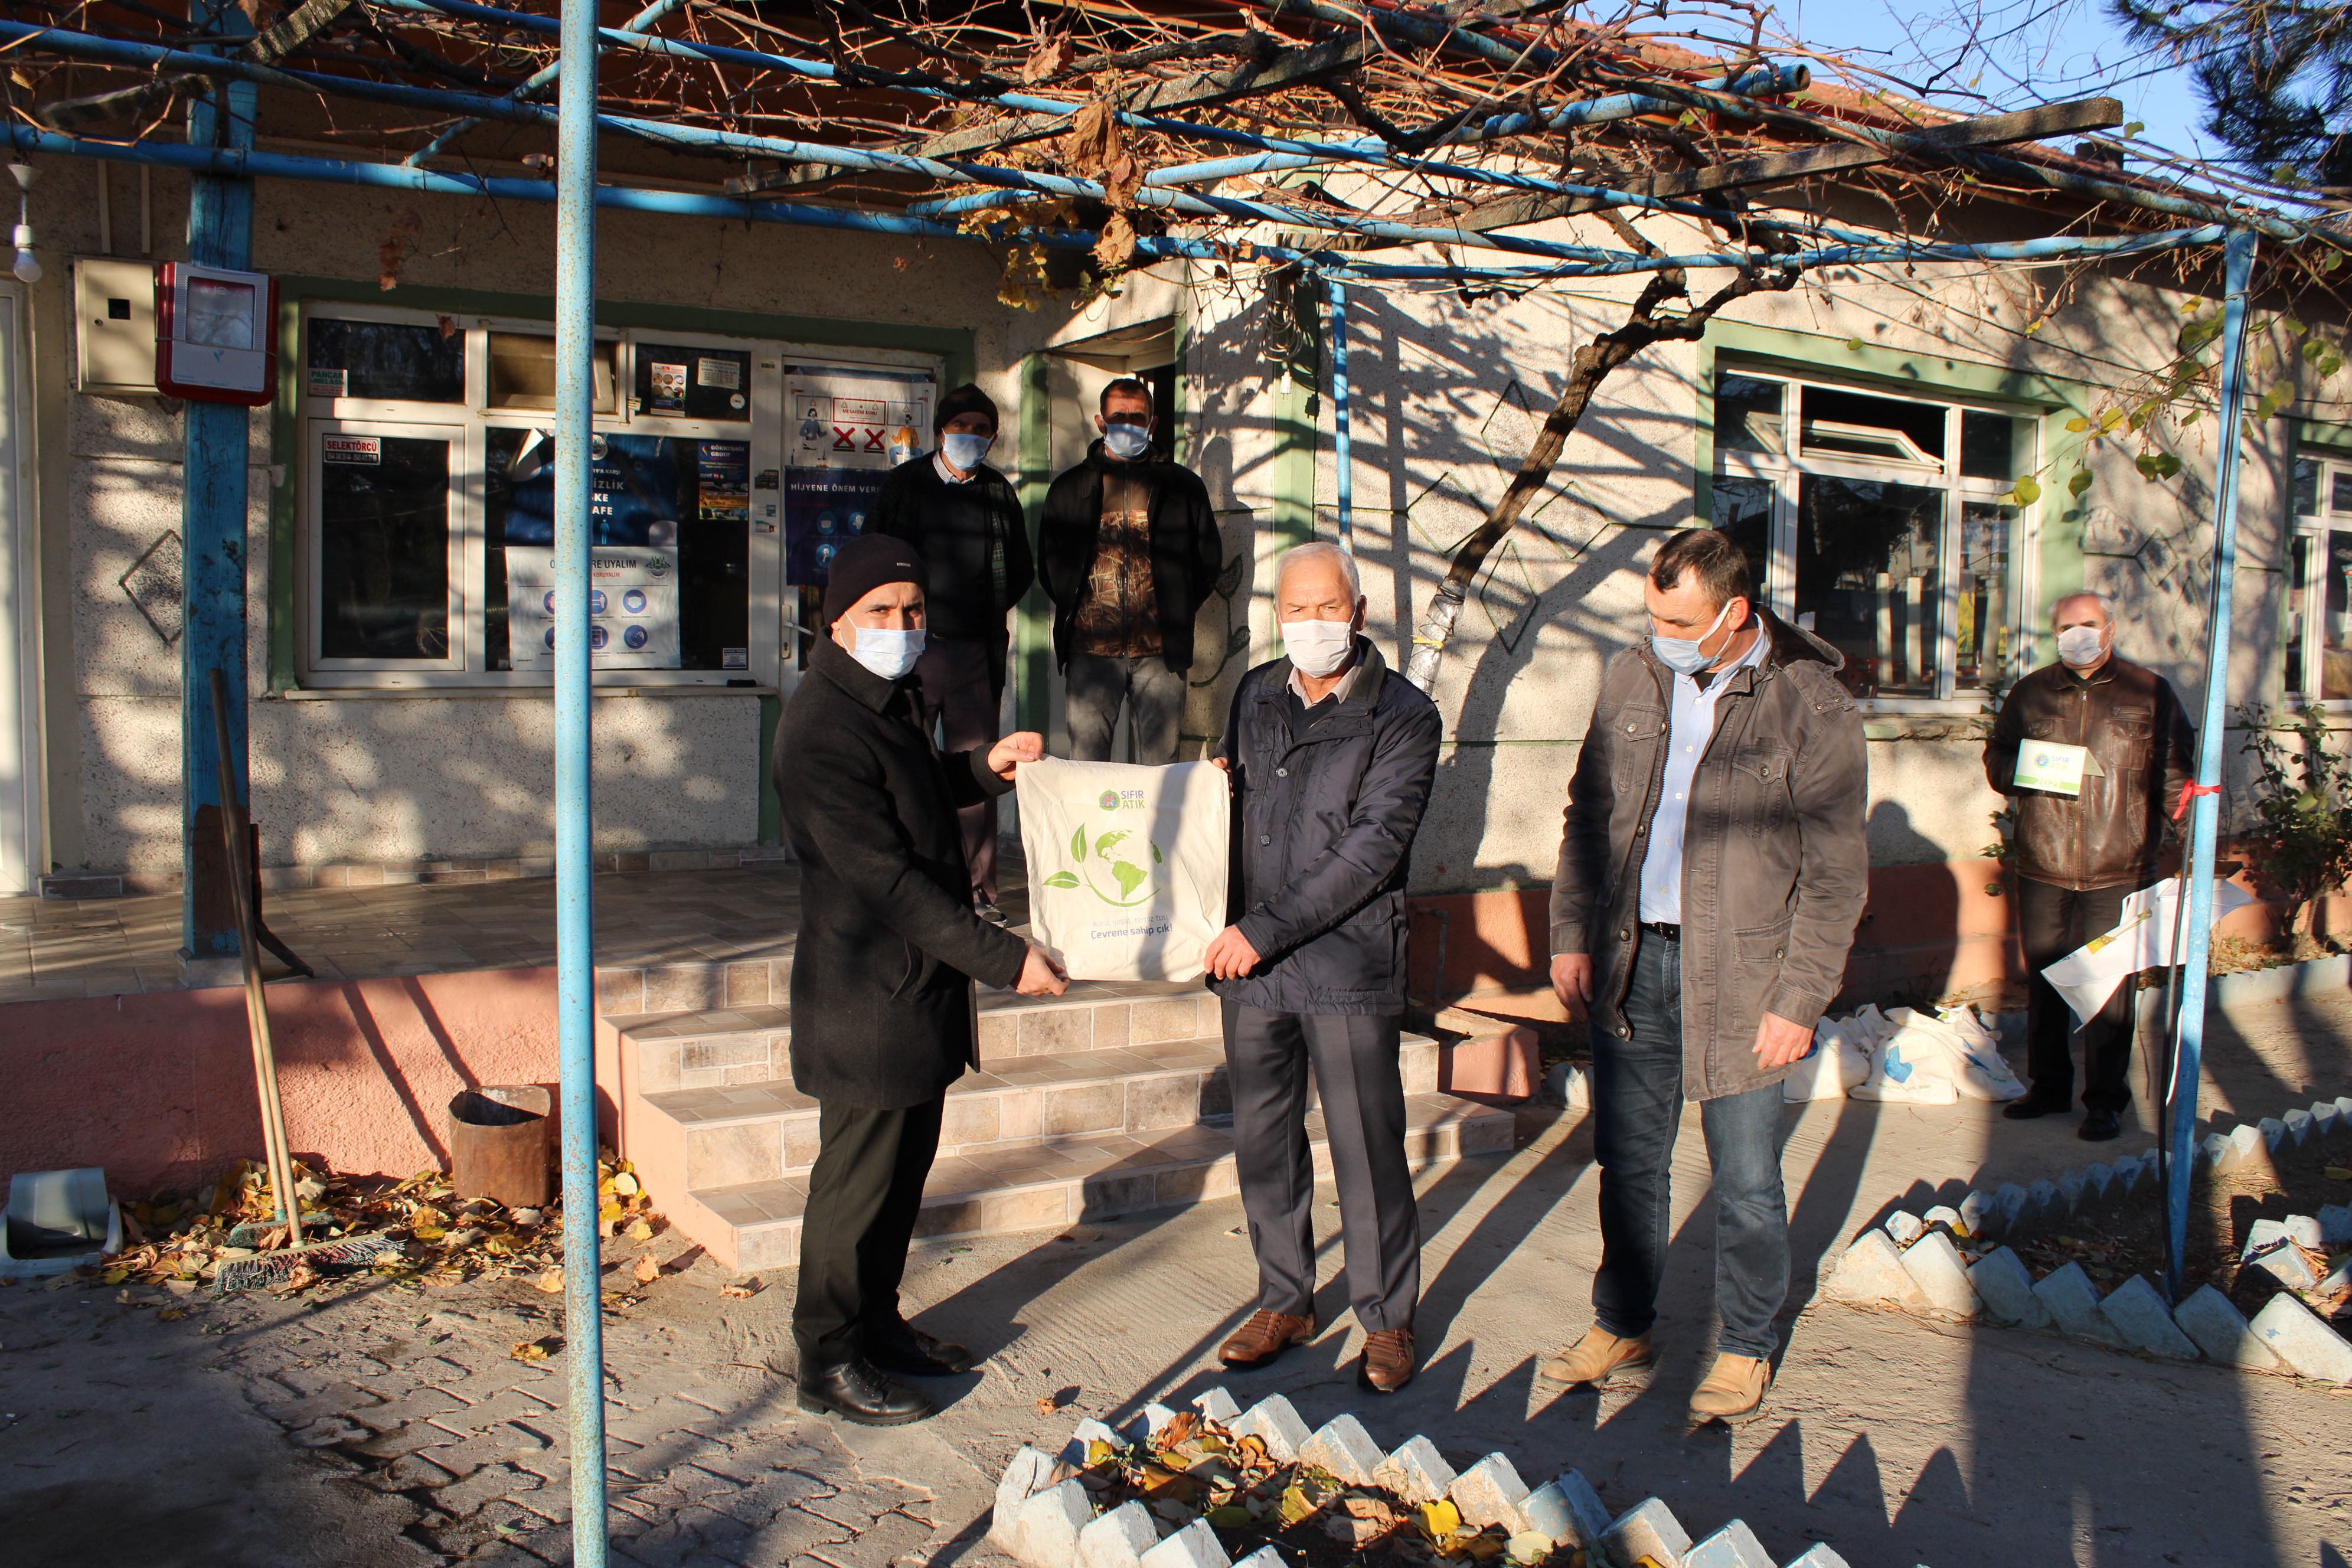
[(390, 1426)]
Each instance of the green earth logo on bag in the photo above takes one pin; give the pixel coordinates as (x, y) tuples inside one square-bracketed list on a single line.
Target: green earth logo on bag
[(1113, 851)]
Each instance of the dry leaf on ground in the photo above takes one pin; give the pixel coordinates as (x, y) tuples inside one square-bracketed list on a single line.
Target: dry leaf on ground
[(551, 1281), (648, 1270), (528, 1350), (641, 1231), (741, 1291)]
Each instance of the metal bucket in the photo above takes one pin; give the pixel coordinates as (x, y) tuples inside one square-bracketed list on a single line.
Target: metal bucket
[(500, 1145)]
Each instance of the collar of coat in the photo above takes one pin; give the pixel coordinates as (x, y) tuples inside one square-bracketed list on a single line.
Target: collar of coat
[(1786, 645), (831, 660), (1361, 686)]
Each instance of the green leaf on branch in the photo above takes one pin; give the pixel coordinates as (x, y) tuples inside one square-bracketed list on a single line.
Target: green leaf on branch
[(2156, 466), (2276, 398), (2198, 333), (2079, 483), (2025, 492), (2078, 424)]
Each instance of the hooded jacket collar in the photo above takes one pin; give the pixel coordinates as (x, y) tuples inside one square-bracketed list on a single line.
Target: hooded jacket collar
[(831, 660)]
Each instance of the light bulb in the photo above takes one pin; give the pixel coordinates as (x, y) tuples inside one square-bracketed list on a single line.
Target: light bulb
[(27, 268)]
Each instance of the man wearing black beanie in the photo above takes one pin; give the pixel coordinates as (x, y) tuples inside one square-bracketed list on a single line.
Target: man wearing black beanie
[(964, 519), (882, 974)]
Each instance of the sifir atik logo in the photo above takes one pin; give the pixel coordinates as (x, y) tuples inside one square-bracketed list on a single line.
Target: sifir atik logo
[(1121, 855)]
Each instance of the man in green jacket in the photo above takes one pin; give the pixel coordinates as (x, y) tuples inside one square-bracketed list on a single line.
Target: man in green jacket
[(964, 519)]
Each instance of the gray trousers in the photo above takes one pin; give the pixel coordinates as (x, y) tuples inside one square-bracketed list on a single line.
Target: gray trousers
[(1155, 698), (1355, 1065)]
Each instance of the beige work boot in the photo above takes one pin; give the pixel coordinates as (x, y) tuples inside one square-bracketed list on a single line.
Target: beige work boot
[(1596, 1358), (1733, 1390)]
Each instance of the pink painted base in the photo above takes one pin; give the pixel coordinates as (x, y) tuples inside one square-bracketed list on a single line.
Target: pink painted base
[(158, 1087)]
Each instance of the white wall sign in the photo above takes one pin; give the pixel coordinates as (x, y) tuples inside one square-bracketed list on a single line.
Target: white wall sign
[(631, 606)]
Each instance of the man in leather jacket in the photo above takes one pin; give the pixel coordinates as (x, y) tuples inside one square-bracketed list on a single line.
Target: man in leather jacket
[(2078, 858)]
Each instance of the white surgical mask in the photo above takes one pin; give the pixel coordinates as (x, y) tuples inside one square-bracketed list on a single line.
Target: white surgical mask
[(965, 452), (887, 654), (2079, 645), (1128, 441), (1319, 647), (1683, 655)]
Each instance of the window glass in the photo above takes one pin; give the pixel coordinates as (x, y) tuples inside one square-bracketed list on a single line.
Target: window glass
[(2298, 595), (1747, 415), (1995, 446), (1867, 571), (383, 547), (678, 383), (2306, 487), (670, 555), (1980, 618), (1854, 423), (2335, 617), (522, 371), (385, 360), (1743, 509), (2339, 493)]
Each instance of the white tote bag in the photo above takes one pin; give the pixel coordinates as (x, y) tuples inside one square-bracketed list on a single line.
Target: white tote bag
[(1127, 865)]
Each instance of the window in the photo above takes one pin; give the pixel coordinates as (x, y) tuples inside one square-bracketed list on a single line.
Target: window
[(1880, 528), (427, 502), (2319, 582)]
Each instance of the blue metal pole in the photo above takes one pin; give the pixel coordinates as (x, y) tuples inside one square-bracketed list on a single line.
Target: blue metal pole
[(2205, 814), (1342, 444), (575, 939), (212, 533)]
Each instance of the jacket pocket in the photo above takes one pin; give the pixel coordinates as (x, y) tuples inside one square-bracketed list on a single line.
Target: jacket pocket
[(1757, 956), (1759, 787), (2041, 727), (2133, 730), (1633, 735), (909, 980)]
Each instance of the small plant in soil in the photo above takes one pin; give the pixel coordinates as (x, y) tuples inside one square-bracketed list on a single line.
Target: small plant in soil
[(1195, 1468)]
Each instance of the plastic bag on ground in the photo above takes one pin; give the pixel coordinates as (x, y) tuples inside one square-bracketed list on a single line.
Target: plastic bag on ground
[(1919, 1063), (1839, 1060), (1985, 1073)]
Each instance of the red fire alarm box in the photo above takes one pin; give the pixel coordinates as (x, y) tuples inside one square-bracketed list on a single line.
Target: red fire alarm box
[(215, 333)]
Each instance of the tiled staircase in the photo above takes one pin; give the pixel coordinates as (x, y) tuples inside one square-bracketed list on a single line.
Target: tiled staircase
[(1108, 1101)]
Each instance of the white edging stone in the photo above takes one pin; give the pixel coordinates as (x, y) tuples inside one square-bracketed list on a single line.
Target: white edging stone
[(1818, 1555), (1194, 1546), (1946, 1215), (2295, 1333), (2213, 1320), (1416, 1472), (1490, 1492), (2073, 1302), (2334, 1224), (1217, 1405), (1023, 1478), (2005, 1288), (1119, 1539), (1649, 1529), (1934, 1264), (1568, 1509), (1733, 1546), (2138, 1314), (1344, 1448), (1904, 1228), (1084, 1435), (1273, 1421), (1871, 1270), (1043, 1530)]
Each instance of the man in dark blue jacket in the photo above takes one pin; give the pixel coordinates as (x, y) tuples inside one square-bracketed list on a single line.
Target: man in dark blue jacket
[(1331, 757)]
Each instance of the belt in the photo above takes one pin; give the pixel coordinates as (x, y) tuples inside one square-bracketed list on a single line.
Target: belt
[(1660, 928)]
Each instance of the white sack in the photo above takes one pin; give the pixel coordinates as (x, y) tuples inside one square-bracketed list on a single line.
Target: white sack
[(1839, 1060), (1985, 1073), (1918, 1064), (1127, 865)]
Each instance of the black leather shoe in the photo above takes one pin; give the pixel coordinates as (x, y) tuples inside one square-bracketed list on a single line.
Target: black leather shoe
[(2100, 1127), (900, 1347), (856, 1391), (2031, 1105)]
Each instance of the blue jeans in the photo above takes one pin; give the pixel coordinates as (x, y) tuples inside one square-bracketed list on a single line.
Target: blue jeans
[(1637, 1103)]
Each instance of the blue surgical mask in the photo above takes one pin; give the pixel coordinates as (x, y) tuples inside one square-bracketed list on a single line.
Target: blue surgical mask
[(965, 452), (1683, 655), (1126, 441), (887, 654)]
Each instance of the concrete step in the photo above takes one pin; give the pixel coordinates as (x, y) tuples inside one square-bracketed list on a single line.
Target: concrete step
[(763, 1130), (1057, 1181)]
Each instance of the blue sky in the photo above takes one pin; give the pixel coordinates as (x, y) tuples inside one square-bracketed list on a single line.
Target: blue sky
[(2034, 52)]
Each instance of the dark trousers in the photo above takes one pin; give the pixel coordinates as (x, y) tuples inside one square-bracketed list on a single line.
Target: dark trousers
[(964, 700), (864, 1191), (1154, 695), (1354, 1058), (1637, 1107), (2053, 922)]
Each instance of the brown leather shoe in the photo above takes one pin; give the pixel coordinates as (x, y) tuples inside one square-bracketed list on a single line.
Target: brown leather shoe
[(1388, 1363), (1596, 1358), (1733, 1390), (1265, 1336)]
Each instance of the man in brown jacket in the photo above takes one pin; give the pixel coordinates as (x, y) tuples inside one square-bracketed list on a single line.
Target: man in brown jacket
[(2079, 857), (1710, 880)]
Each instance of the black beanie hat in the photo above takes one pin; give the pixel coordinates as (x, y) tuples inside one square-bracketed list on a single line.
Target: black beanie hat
[(865, 563), (965, 399)]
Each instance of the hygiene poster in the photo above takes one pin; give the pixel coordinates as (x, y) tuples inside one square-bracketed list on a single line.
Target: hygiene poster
[(856, 419), (824, 509), (631, 606)]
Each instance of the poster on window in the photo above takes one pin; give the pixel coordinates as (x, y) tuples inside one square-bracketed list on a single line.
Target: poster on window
[(855, 420), (634, 480), (632, 607), (824, 509), (722, 480)]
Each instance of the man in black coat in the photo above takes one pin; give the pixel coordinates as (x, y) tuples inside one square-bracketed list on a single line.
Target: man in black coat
[(1127, 550), (1332, 757), (962, 517), (889, 947)]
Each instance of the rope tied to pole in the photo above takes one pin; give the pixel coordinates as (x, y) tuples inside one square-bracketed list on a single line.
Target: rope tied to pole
[(2188, 791)]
